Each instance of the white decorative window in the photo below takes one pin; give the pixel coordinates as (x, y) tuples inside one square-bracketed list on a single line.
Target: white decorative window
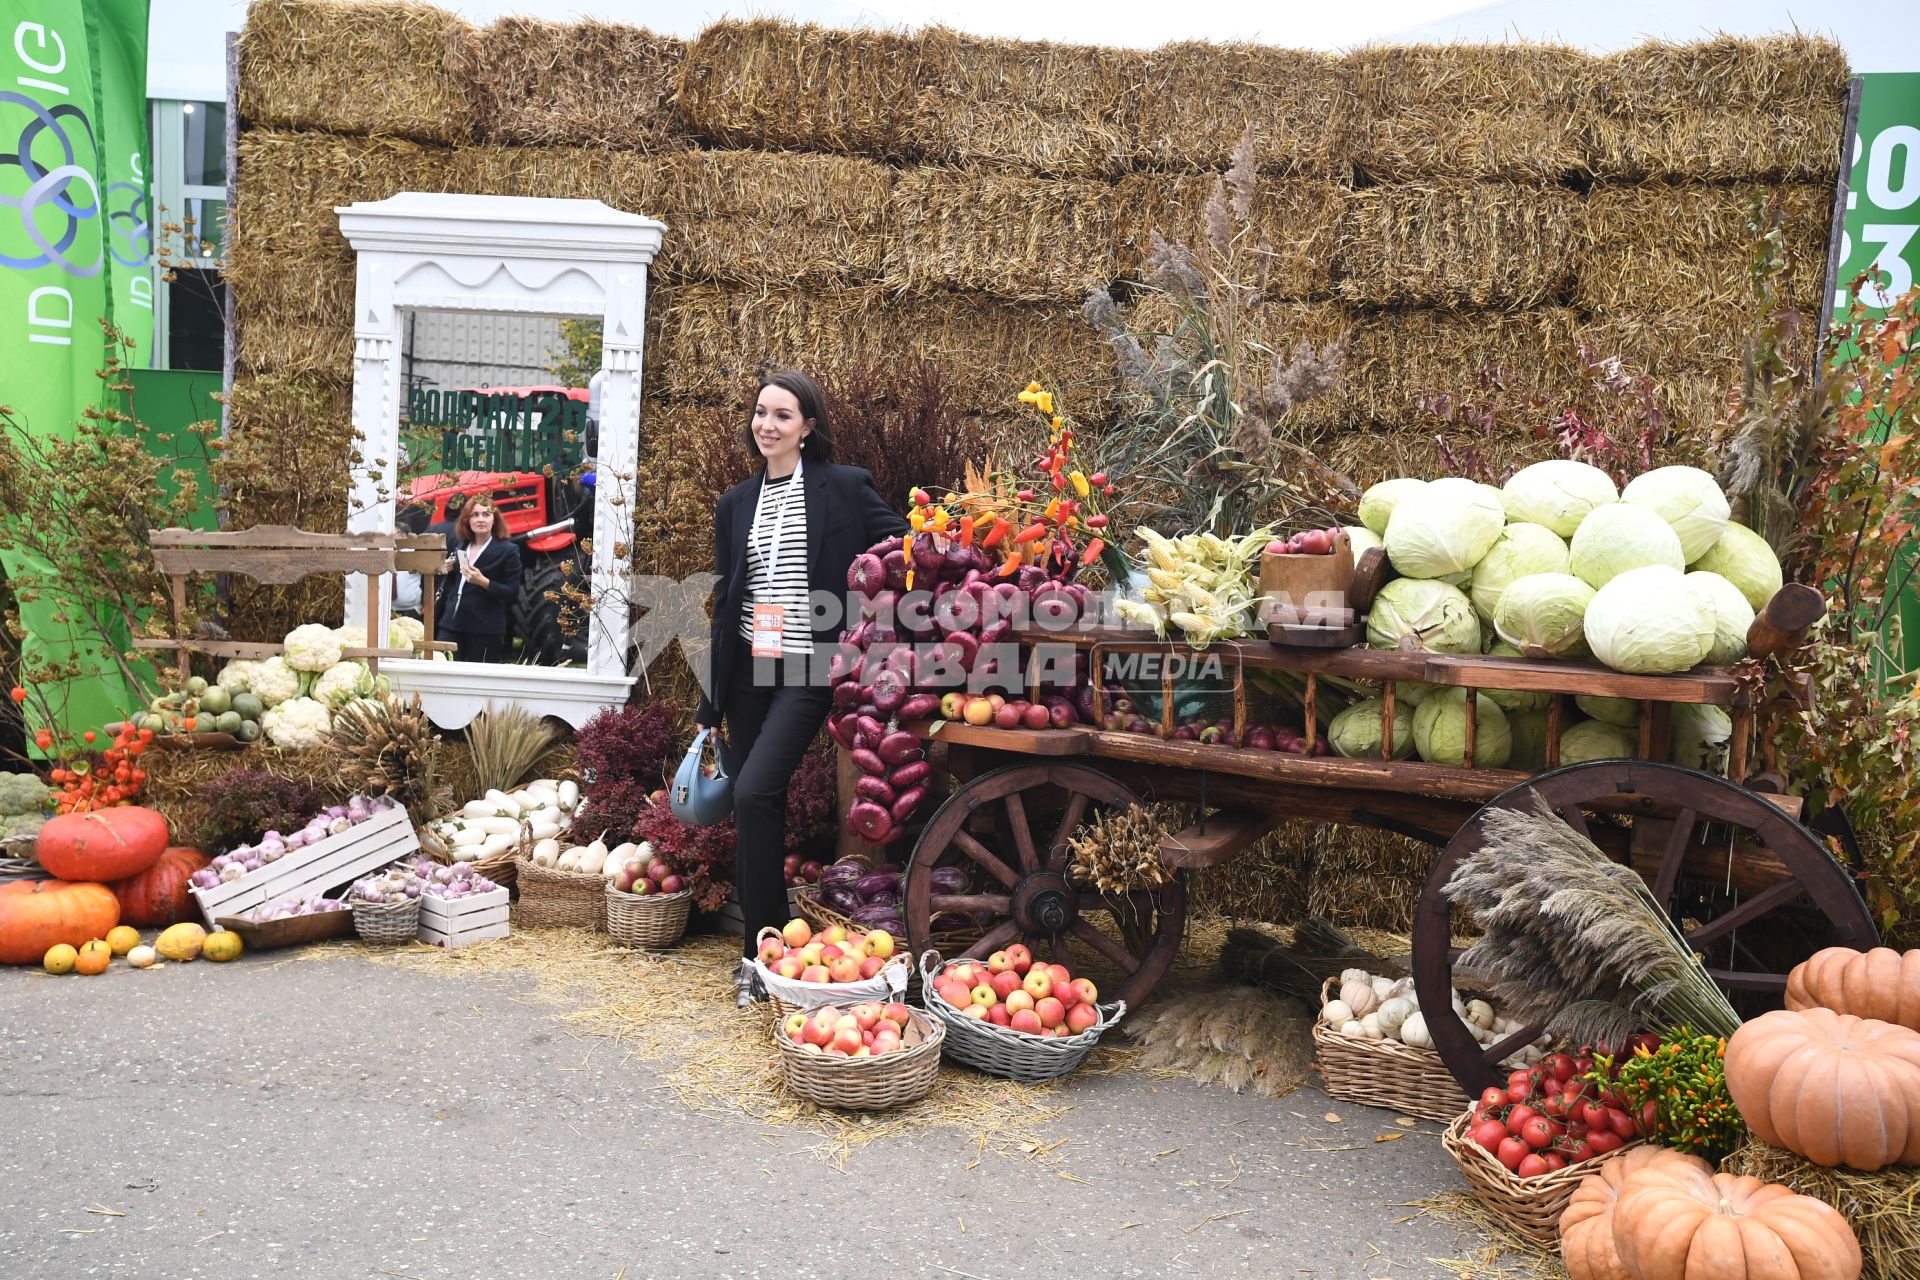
[(493, 256)]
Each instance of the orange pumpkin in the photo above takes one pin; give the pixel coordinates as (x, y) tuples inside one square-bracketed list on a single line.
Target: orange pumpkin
[(1881, 983), (106, 844), (1677, 1223), (93, 959), (1586, 1224), (38, 914), (1834, 1088), (158, 896)]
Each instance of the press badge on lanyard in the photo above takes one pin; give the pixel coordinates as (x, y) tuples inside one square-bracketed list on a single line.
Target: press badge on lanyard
[(769, 627)]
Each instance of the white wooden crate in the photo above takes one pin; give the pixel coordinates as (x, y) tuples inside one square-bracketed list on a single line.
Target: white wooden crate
[(323, 865), (456, 922)]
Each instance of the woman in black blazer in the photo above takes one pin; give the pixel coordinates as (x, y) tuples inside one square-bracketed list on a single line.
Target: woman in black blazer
[(483, 577), (781, 545)]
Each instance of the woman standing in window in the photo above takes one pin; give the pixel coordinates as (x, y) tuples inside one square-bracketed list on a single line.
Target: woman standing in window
[(483, 579), (781, 540)]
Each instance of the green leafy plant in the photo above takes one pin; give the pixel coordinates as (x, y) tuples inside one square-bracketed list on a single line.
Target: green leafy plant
[(1684, 1081)]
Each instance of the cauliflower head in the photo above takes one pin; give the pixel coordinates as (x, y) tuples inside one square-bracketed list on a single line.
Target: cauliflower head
[(273, 681), (236, 676), (297, 722), (312, 647), (404, 633), (341, 683), (351, 637)]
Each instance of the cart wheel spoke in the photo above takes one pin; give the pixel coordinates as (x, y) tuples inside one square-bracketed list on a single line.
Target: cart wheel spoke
[(1571, 815), (1674, 854), (1022, 833), (1501, 1050), (985, 857), (992, 940), (1752, 909), (1057, 853), (1084, 930), (1773, 982), (968, 903)]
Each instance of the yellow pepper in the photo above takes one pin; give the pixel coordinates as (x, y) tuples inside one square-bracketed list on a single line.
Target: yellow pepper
[(939, 521), (1044, 402), (1080, 485), (916, 519)]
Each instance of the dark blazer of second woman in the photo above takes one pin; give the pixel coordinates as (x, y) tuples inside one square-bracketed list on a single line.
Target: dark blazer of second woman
[(845, 516), (480, 611)]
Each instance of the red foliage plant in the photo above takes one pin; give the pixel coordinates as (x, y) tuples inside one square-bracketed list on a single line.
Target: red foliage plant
[(813, 797), (702, 856), (627, 744)]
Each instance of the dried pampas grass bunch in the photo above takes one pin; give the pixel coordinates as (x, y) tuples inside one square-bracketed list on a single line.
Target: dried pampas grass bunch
[(1575, 940)]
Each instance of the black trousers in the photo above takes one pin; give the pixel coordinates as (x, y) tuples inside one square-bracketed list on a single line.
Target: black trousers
[(772, 717), (476, 648)]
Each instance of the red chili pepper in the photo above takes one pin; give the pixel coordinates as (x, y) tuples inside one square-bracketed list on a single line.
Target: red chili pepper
[(966, 531), (1097, 521), (1032, 532), (1059, 480), (1092, 552), (998, 532), (1025, 495), (1098, 479)]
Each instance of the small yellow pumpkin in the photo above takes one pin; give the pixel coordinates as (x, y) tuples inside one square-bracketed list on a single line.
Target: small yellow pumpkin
[(59, 958), (94, 957), (221, 946), (181, 942), (123, 938)]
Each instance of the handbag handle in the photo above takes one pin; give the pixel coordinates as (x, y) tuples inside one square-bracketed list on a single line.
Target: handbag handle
[(700, 743)]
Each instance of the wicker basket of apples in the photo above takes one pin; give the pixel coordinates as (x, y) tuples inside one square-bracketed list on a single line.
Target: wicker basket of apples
[(861, 1057), (801, 970), (647, 904), (1014, 1016)]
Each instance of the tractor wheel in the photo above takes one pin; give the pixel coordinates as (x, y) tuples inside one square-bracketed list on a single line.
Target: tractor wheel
[(544, 641)]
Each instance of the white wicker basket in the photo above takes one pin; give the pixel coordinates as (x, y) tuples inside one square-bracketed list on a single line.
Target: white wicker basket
[(888, 984), (1002, 1051)]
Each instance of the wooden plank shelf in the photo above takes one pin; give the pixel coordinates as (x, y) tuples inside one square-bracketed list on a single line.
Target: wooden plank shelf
[(1227, 833), (1030, 742)]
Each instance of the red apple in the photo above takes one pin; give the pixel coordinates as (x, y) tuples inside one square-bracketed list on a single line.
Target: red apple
[(1050, 1011), (1021, 957), (658, 871), (816, 973), (867, 1015), (1084, 988), (1065, 994), (672, 884), (830, 953), (1082, 1017), (818, 1029), (772, 950), (975, 1011), (899, 1015), (798, 933), (1018, 999), (845, 969), (998, 1015), (871, 967), (795, 1024), (1026, 1020), (1060, 974), (846, 1039), (1038, 983), (790, 967), (1009, 715), (1004, 984), (999, 962), (1036, 716)]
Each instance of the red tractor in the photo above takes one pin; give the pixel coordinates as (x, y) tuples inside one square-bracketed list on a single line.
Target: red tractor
[(548, 512)]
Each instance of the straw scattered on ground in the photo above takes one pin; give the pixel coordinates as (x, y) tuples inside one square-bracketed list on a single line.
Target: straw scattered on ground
[(358, 66), (1503, 1254), (587, 83)]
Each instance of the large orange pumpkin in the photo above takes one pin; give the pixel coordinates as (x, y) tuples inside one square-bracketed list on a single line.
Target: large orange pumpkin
[(1676, 1223), (1586, 1224), (1834, 1088), (107, 844), (38, 914), (1881, 983), (158, 897)]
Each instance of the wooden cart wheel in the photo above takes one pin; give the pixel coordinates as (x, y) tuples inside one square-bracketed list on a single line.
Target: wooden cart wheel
[(1757, 892), (1019, 883)]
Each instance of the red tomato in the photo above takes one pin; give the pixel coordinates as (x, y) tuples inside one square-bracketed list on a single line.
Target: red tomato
[(1554, 1160), (1621, 1123), (1559, 1066), (1582, 1065), (1489, 1134), (1519, 1076), (1532, 1167), (1649, 1117), (1593, 1115), (1537, 1133), (1582, 1150), (1601, 1141), (1493, 1098), (1519, 1116), (1555, 1105), (1511, 1152)]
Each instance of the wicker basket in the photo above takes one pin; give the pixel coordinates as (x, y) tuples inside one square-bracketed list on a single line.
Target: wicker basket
[(648, 921), (866, 1084), (790, 995), (1002, 1051), (560, 899), (387, 923), (1531, 1207), (1384, 1073), (501, 868)]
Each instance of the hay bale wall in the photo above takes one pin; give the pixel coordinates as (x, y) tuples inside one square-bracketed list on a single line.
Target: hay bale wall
[(1468, 215)]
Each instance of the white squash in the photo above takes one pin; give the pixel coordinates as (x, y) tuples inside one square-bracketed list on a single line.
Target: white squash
[(594, 861), (1392, 1013), (569, 794), (1414, 1031), (1359, 997), (502, 802), (622, 854), (1351, 1028), (1480, 1014), (1335, 1012), (467, 835), (570, 860), (1354, 975), (1400, 987), (549, 847), (1383, 987), (1370, 1028), (494, 846)]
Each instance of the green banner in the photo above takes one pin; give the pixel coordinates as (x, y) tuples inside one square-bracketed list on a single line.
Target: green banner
[(1882, 226), (74, 248)]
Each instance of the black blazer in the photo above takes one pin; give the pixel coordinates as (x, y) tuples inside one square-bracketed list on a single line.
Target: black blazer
[(482, 612), (845, 516)]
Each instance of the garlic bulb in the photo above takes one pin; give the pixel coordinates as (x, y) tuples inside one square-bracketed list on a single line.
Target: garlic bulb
[(1480, 1014), (1370, 1028), (1414, 1031), (1392, 1013), (1359, 997), (1335, 1012), (1401, 987)]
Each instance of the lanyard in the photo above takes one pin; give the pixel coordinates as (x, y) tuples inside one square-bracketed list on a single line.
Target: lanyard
[(772, 561)]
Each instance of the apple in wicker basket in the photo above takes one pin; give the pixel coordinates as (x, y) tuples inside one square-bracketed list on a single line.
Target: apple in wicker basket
[(1047, 1001), (868, 1030), (831, 955)]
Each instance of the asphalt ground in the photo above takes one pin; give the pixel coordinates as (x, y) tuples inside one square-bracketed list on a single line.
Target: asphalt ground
[(343, 1118)]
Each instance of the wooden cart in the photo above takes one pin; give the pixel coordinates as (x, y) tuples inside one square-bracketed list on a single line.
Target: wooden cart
[(1727, 855)]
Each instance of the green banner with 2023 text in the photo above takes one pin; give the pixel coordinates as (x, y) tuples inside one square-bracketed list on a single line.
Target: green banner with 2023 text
[(75, 248)]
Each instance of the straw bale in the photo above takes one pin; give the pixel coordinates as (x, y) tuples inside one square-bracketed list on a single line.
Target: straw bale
[(1403, 359), (388, 67), (290, 181), (775, 84), (1717, 146), (1294, 226), (1027, 106), (1368, 457), (992, 349), (1792, 72), (777, 218), (270, 341), (1022, 239), (1457, 244), (1688, 248), (588, 83), (624, 180), (1469, 111), (1200, 98)]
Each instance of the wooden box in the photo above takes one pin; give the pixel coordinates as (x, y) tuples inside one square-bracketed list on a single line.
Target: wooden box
[(326, 864), (1317, 583), (456, 922)]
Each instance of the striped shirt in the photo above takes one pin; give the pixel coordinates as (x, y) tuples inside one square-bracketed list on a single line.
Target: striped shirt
[(791, 589)]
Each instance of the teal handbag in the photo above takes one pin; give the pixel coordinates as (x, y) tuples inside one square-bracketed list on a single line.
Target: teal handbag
[(699, 798)]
